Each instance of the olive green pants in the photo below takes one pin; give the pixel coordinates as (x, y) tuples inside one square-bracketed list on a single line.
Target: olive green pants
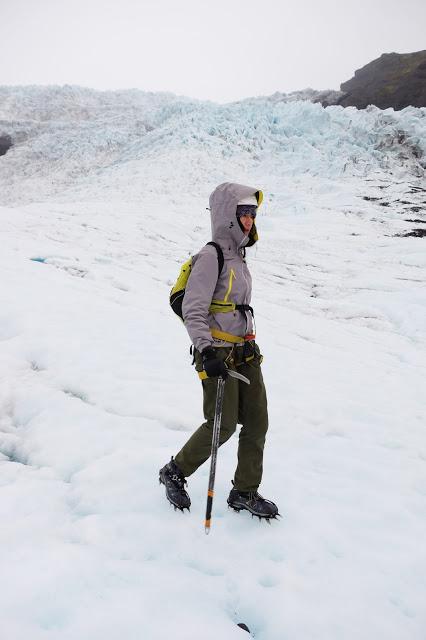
[(243, 404)]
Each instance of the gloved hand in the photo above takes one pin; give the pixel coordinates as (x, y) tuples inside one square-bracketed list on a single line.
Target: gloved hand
[(213, 365)]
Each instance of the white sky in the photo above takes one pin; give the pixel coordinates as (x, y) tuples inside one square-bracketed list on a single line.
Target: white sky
[(218, 50)]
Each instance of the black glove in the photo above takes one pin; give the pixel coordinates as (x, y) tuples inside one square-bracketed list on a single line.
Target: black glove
[(213, 365)]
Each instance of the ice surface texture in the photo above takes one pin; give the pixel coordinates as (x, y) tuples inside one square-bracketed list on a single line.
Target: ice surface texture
[(107, 196)]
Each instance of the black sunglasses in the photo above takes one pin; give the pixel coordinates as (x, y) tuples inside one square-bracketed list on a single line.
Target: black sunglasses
[(246, 210)]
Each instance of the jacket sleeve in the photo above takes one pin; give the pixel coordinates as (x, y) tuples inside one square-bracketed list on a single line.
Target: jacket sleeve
[(198, 296)]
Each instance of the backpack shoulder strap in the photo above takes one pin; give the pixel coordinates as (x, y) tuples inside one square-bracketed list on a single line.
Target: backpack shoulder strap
[(220, 257)]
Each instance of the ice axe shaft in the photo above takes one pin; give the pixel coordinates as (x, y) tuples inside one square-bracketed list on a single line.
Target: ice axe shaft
[(215, 441)]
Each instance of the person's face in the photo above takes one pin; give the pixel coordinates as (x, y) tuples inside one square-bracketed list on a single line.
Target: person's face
[(247, 223)]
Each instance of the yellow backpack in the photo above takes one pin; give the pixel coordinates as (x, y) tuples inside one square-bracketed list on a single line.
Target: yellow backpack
[(178, 292)]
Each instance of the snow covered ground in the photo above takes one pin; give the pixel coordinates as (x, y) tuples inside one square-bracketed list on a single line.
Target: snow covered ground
[(97, 391)]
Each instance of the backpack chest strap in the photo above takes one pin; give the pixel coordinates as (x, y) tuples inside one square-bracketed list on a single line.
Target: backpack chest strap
[(220, 306)]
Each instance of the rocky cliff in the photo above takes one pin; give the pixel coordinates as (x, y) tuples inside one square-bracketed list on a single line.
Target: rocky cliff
[(393, 80)]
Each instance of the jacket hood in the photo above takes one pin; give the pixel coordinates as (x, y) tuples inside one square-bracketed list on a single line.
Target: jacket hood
[(223, 206)]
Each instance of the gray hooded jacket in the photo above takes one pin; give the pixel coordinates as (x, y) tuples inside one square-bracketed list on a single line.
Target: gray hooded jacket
[(234, 283)]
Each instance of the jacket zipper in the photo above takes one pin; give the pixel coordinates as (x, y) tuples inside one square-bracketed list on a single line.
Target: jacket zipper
[(246, 296)]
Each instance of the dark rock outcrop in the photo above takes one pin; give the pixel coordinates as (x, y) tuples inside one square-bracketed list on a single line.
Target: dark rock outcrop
[(5, 144), (395, 80)]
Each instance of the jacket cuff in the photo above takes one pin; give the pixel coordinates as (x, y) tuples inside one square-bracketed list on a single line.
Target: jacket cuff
[(202, 344)]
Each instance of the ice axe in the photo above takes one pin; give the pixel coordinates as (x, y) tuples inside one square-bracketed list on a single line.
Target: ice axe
[(215, 441)]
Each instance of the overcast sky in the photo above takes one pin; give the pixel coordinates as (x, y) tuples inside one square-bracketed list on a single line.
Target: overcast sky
[(219, 50)]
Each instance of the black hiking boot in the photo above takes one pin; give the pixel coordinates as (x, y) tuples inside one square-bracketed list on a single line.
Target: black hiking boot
[(253, 502), (174, 481)]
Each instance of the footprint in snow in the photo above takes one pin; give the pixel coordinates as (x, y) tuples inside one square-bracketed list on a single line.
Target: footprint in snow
[(176, 426), (268, 581), (79, 395)]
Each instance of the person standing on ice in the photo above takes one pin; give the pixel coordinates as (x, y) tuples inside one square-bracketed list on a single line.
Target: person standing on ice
[(220, 322)]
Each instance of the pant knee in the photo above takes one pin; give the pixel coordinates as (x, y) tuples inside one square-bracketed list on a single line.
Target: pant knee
[(226, 430)]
